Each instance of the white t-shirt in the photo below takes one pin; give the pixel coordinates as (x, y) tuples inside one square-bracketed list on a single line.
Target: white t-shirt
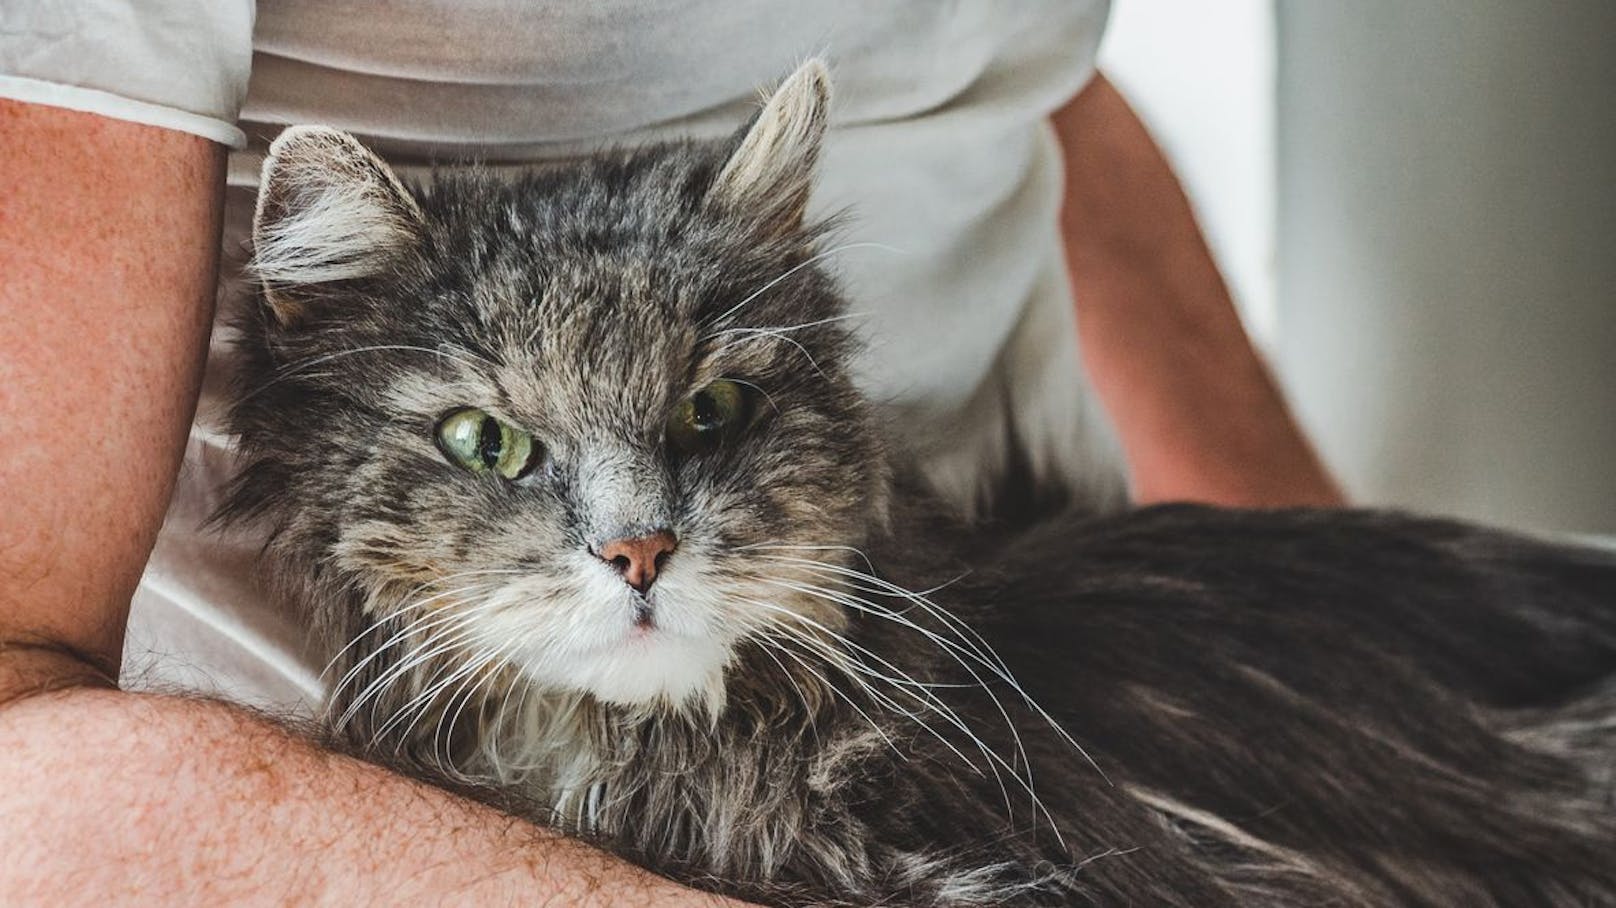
[(940, 147)]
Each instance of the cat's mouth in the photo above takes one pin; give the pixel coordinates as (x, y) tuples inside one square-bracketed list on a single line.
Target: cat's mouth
[(645, 624), (668, 646), (642, 668), (644, 615), (579, 629)]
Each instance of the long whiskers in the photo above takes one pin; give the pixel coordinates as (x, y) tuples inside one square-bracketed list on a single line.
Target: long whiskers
[(859, 673), (464, 357), (786, 631), (754, 333), (456, 636), (409, 603), (952, 637), (974, 644), (845, 247), (836, 691), (947, 647), (420, 625)]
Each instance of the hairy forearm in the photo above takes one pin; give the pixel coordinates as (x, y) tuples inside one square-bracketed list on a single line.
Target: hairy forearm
[(1199, 415), (108, 235), (108, 797)]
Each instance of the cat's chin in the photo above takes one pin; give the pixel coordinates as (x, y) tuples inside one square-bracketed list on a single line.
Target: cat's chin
[(649, 671)]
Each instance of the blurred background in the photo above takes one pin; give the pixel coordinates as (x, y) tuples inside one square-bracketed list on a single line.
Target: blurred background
[(1415, 206)]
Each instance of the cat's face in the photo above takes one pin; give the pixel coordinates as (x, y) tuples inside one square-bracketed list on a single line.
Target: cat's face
[(560, 424)]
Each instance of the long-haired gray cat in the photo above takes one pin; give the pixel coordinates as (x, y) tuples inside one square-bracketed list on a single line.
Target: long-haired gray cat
[(571, 471)]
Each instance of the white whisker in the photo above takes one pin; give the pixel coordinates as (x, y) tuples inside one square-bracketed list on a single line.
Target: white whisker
[(764, 332), (406, 605), (979, 647), (847, 664), (422, 701), (458, 630), (420, 625), (756, 387), (775, 329), (849, 701), (846, 247), (299, 368)]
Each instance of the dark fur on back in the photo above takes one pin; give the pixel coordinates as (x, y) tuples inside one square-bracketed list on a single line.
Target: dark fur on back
[(851, 695)]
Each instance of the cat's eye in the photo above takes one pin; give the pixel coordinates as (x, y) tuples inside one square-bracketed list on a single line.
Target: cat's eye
[(708, 418), (478, 442)]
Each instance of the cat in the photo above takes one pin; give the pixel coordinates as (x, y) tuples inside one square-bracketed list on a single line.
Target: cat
[(569, 473)]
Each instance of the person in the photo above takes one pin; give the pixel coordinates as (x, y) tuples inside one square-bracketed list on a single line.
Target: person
[(994, 178)]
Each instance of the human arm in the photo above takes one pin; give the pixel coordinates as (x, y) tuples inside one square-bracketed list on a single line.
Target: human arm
[(108, 237), (111, 797), (1199, 415), (108, 232)]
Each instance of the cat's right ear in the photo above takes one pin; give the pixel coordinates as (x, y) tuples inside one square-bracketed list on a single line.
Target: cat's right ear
[(770, 168), (329, 210)]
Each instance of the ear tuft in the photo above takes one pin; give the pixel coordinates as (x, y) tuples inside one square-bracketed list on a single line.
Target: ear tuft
[(328, 210), (769, 174)]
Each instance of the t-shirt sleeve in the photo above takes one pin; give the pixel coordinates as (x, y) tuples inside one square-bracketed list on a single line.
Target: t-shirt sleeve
[(177, 64)]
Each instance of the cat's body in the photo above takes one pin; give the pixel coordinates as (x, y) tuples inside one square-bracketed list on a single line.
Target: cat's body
[(610, 528), (1284, 708)]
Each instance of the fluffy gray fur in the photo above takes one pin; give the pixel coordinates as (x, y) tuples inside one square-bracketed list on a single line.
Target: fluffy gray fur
[(848, 695)]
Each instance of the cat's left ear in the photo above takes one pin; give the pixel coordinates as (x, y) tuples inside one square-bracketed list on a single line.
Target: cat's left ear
[(329, 210), (770, 172)]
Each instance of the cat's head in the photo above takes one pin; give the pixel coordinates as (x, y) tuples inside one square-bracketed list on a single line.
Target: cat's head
[(577, 423)]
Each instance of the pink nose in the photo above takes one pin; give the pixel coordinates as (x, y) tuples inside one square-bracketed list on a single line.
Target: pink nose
[(638, 559)]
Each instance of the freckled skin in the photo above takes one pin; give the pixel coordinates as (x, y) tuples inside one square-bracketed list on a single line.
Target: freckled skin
[(1280, 708)]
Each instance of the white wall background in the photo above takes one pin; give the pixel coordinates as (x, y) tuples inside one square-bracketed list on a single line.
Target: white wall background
[(1415, 204), (1447, 215)]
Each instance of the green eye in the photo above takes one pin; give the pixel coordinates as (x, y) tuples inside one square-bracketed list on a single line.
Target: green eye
[(478, 442), (709, 417)]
